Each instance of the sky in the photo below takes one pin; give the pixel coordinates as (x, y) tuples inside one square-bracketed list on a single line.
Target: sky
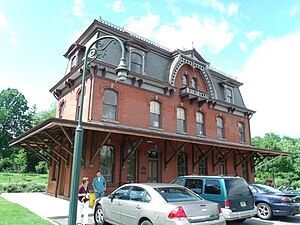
[(256, 42)]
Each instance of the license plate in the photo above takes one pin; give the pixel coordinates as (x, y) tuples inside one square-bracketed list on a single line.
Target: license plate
[(243, 204)]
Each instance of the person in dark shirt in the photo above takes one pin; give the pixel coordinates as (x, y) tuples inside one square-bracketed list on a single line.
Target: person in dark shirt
[(83, 201)]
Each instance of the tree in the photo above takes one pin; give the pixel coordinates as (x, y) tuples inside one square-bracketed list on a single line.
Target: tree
[(44, 115), (15, 118), (284, 168)]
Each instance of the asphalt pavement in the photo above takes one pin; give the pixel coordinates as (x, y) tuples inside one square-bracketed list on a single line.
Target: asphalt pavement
[(55, 210)]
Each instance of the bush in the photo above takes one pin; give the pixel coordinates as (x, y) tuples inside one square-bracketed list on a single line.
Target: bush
[(5, 164), (41, 167), (22, 187)]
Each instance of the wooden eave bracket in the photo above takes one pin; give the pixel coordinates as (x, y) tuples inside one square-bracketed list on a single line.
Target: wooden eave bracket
[(223, 157), (53, 150), (98, 150), (133, 149), (201, 156), (175, 152)]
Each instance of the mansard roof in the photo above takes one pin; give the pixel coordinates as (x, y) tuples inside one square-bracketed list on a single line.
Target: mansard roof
[(161, 64)]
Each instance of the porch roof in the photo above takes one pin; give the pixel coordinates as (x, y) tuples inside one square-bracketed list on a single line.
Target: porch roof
[(47, 130)]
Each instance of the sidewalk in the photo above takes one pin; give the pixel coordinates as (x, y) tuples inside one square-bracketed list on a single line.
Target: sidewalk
[(46, 206)]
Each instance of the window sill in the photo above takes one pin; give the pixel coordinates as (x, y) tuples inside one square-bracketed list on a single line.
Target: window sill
[(201, 135), (110, 121), (179, 132), (156, 128)]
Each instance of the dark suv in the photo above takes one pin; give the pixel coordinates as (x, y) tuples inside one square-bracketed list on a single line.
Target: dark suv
[(232, 193)]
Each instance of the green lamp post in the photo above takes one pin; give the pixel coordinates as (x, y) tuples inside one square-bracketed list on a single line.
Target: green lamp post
[(95, 51)]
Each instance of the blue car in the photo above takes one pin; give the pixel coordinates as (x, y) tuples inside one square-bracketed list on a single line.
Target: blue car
[(273, 202)]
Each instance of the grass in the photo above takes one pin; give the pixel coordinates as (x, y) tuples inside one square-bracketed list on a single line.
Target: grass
[(23, 177), (12, 213)]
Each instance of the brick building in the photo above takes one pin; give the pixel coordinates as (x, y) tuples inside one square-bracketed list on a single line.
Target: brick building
[(174, 115)]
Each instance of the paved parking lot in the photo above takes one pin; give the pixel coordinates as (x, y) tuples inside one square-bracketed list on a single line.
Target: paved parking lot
[(56, 210), (290, 220)]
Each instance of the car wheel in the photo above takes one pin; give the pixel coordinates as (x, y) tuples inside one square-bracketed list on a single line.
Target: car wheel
[(99, 216), (264, 211), (146, 222)]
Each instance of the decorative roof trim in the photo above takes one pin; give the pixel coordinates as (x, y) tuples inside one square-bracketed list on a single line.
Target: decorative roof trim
[(179, 62)]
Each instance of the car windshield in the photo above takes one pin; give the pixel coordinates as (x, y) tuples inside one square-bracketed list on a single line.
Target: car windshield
[(237, 187), (177, 194), (266, 189)]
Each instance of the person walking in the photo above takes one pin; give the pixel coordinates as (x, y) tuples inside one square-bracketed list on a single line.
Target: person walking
[(83, 201), (99, 185)]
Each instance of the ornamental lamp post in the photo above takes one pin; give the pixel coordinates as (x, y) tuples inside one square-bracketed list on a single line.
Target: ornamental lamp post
[(96, 50)]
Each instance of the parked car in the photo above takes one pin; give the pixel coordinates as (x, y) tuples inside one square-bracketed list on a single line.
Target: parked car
[(288, 189), (232, 193), (273, 202), (156, 204)]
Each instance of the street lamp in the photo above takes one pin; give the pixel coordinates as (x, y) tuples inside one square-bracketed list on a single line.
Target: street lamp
[(95, 51)]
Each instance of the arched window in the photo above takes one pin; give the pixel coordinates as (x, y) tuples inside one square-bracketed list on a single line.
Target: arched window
[(202, 166), (220, 127), (106, 164), (110, 104), (200, 123), (136, 63), (131, 166), (181, 120), (185, 81), (194, 83), (241, 132), (61, 109), (182, 164), (222, 166), (153, 166), (77, 104), (155, 114), (73, 61)]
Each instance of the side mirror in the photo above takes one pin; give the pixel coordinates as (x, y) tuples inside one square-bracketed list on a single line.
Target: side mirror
[(111, 197)]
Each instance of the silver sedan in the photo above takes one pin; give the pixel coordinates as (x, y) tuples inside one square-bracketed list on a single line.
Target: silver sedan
[(156, 204)]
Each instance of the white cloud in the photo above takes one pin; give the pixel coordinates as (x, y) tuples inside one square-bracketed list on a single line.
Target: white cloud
[(145, 26), (3, 22), (294, 10), (14, 40), (253, 35), (232, 9), (117, 6), (204, 33), (243, 46), (78, 8), (271, 86)]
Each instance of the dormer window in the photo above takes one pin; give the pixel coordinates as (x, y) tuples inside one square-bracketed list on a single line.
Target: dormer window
[(136, 63), (73, 61), (229, 97)]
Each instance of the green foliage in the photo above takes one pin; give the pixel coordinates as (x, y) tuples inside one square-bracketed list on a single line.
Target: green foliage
[(41, 167), (9, 177), (15, 118), (44, 115), (13, 213), (22, 187), (283, 169), (5, 164)]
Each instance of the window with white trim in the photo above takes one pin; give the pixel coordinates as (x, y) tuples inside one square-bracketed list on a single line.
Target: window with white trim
[(200, 123), (220, 127), (181, 120), (155, 114), (110, 105), (241, 132)]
